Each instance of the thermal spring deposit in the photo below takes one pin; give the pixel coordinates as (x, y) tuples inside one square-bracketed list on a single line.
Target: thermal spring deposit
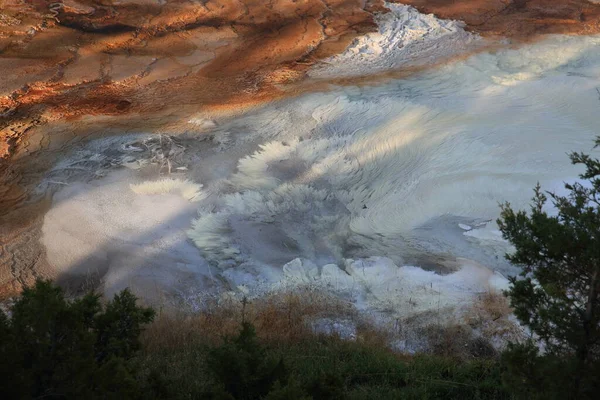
[(385, 193)]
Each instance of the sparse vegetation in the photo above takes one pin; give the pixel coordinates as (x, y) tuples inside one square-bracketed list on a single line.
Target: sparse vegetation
[(316, 367), (62, 349)]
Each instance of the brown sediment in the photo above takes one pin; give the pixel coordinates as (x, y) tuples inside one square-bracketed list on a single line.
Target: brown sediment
[(75, 69), (517, 19), (67, 59), (22, 259)]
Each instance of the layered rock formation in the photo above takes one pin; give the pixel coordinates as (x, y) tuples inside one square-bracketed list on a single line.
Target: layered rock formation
[(518, 19)]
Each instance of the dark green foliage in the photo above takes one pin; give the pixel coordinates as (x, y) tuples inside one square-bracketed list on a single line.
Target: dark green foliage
[(327, 386), (291, 391), (533, 376), (558, 294), (324, 368), (53, 348), (331, 368), (11, 376), (242, 369), (118, 328)]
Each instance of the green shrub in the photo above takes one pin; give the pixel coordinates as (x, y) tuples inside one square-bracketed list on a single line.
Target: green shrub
[(59, 349), (242, 368), (557, 295)]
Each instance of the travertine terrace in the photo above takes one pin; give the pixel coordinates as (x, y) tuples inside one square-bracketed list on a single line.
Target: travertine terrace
[(77, 70)]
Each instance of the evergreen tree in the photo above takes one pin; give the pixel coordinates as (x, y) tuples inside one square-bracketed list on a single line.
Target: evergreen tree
[(242, 369), (58, 349), (557, 295)]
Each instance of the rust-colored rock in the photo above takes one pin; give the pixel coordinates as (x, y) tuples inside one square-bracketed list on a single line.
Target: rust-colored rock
[(88, 57), (518, 19)]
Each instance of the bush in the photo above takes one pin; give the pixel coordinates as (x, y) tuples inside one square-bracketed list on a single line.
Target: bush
[(59, 349), (242, 369), (557, 295)]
